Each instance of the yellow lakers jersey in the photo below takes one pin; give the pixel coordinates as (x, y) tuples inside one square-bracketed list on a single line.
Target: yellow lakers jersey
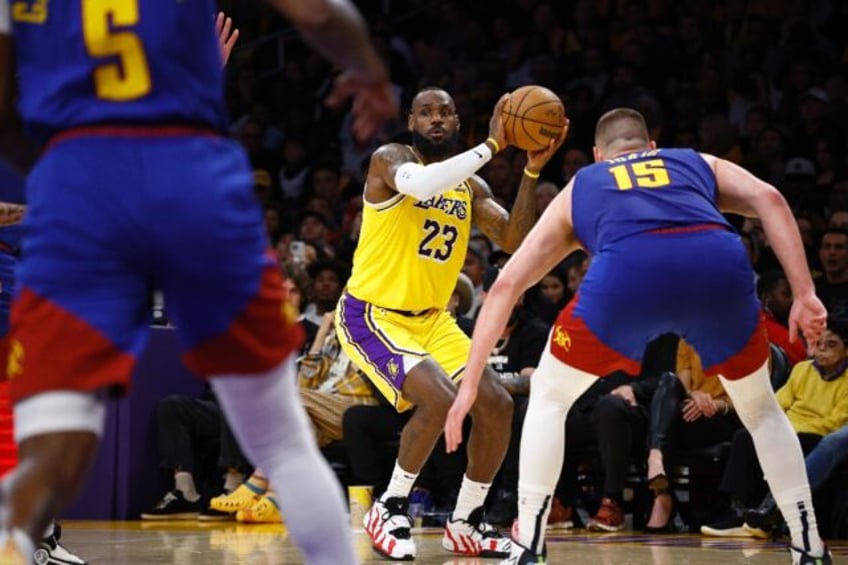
[(410, 251)]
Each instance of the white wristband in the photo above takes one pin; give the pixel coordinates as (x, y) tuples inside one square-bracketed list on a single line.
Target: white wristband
[(426, 181)]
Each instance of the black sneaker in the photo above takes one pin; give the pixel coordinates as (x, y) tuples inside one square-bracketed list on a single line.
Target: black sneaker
[(765, 520), (730, 524), (520, 555), (800, 557), (51, 552), (212, 515), (174, 506), (504, 509)]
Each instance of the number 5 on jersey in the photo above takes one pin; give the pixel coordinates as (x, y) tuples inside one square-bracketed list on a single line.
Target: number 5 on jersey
[(127, 78), (644, 174)]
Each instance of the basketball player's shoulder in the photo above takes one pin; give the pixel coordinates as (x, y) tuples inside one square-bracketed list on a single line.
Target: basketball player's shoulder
[(393, 153)]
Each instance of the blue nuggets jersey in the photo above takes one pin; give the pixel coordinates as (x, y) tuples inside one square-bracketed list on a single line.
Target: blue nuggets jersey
[(641, 192), (117, 62)]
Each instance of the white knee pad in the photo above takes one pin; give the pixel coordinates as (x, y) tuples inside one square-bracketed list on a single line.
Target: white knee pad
[(59, 411)]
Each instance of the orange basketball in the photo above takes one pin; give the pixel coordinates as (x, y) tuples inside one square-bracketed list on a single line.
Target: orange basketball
[(533, 116)]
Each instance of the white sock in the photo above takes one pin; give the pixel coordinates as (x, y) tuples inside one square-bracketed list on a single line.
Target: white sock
[(20, 539), (779, 452), (797, 509), (272, 428), (400, 485), (472, 495), (49, 531), (556, 386), (185, 484), (232, 480)]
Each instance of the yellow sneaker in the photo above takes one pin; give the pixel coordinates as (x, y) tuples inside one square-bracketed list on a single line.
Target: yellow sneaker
[(242, 498), (265, 511)]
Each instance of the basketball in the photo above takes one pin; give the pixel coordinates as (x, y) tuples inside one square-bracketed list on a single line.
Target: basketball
[(533, 116)]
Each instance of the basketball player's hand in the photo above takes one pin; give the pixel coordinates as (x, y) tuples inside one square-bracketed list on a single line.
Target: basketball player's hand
[(625, 392), (536, 160), (227, 36), (808, 316), (456, 416), (496, 123), (374, 102)]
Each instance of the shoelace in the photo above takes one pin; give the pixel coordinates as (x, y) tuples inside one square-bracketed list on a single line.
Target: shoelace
[(402, 531)]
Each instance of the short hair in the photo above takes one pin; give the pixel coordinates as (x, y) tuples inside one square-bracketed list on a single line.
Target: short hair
[(622, 125), (840, 328), (430, 88), (769, 280)]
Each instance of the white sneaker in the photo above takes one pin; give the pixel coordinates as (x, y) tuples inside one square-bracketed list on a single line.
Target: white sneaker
[(475, 537), (389, 526), (51, 552)]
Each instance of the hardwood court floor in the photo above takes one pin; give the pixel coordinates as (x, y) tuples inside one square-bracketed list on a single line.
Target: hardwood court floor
[(118, 543)]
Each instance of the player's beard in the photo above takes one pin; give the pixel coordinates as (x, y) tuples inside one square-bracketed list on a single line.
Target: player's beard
[(435, 150)]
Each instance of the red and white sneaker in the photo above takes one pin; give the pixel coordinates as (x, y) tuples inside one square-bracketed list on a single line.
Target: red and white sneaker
[(475, 537), (389, 526)]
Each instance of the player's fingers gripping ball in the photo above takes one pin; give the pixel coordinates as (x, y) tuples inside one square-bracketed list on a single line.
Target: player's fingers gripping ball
[(533, 116)]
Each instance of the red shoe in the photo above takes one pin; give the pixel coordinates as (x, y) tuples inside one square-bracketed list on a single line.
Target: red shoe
[(560, 516), (610, 517)]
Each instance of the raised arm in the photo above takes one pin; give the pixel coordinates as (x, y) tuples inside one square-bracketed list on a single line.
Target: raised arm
[(508, 229), (550, 240), (335, 28), (743, 193), (395, 168)]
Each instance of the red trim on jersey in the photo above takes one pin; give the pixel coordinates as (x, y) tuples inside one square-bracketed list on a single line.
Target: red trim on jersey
[(52, 349), (690, 229), (573, 343), (130, 131), (749, 359), (264, 334)]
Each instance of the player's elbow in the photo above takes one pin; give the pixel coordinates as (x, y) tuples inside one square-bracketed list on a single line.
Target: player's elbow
[(768, 199)]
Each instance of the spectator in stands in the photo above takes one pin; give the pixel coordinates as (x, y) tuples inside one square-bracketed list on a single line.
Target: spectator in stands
[(315, 229), (572, 161), (545, 192), (475, 269), (688, 410), (194, 439), (821, 463), (776, 297), (832, 285), (328, 278), (815, 399)]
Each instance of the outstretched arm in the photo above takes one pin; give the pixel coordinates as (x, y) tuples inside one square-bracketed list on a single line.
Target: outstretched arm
[(550, 240), (335, 28), (743, 193)]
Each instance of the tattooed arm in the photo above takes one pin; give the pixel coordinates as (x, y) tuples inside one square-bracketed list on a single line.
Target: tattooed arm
[(506, 229), (11, 214)]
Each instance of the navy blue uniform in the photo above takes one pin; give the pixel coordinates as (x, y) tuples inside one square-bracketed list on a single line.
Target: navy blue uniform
[(664, 259), (137, 190)]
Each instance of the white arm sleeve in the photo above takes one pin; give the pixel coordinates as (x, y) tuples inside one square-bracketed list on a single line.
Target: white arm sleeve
[(5, 17), (426, 181)]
